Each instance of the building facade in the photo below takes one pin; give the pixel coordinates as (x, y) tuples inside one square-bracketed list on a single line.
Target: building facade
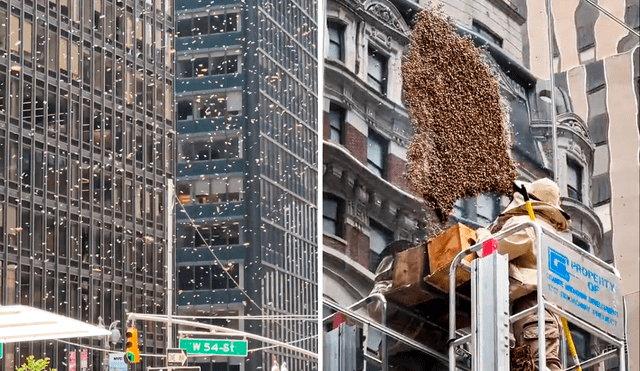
[(87, 139), (247, 173), (366, 202), (597, 80), (360, 200)]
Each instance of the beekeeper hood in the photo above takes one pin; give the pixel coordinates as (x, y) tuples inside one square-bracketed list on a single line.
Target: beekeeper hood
[(544, 195)]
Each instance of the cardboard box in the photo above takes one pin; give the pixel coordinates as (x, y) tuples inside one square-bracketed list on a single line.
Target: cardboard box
[(443, 249), (409, 266), (446, 246), (440, 278), (408, 287)]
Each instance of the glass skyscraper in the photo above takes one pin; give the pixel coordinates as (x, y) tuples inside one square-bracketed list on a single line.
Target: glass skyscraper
[(247, 173), (86, 151)]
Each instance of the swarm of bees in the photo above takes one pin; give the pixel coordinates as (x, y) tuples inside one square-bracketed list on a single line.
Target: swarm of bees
[(461, 141)]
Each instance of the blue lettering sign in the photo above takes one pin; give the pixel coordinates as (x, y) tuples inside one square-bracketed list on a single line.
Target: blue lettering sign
[(578, 293), (558, 264), (592, 276), (556, 280)]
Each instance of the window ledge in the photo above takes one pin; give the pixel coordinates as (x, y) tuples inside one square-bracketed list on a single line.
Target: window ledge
[(335, 238)]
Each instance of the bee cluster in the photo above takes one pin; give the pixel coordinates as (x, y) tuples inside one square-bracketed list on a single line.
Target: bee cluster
[(461, 142)]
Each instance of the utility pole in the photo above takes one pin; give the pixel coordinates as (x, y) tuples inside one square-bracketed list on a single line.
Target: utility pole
[(169, 277), (552, 82)]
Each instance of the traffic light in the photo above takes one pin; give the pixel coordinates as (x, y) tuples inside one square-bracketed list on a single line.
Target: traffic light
[(132, 352)]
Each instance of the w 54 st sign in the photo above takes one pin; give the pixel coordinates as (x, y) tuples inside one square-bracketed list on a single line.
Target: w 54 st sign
[(232, 348)]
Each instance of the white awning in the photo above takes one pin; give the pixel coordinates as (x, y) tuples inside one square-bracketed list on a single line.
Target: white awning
[(21, 323)]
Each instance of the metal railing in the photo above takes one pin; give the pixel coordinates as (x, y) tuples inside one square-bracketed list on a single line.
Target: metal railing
[(387, 333), (542, 305)]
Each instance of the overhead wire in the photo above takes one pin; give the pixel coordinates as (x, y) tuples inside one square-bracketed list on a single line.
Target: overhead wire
[(163, 355), (276, 316), (193, 223), (291, 342), (613, 17)]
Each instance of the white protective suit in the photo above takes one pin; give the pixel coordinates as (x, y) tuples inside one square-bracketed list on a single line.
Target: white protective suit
[(521, 247)]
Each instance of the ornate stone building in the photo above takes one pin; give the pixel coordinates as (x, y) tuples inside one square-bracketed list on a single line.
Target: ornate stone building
[(366, 129), (365, 207)]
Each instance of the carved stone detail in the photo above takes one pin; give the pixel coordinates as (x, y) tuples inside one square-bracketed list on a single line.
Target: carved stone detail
[(575, 126), (358, 212), (347, 93), (577, 151), (386, 15)]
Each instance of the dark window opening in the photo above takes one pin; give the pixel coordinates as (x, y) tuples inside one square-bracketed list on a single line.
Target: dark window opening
[(208, 277), (336, 40), (205, 25), (184, 27), (200, 25), (223, 277), (486, 33), (574, 180), (207, 66), (376, 153), (185, 68), (201, 67), (186, 279), (231, 23), (583, 345), (185, 110), (213, 106), (377, 70), (210, 149), (332, 215), (580, 243), (218, 235), (336, 122), (224, 65), (379, 238)]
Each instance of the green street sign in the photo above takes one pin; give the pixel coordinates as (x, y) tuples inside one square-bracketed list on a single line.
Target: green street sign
[(0, 350), (231, 348)]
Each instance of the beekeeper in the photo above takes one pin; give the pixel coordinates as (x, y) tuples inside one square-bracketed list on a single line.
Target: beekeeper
[(544, 196)]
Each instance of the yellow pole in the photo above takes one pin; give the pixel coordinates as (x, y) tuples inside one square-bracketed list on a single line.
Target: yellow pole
[(572, 347), (523, 191), (532, 216)]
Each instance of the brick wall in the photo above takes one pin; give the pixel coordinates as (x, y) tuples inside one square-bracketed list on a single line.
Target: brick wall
[(397, 167), (330, 241), (357, 246), (326, 131), (356, 143)]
